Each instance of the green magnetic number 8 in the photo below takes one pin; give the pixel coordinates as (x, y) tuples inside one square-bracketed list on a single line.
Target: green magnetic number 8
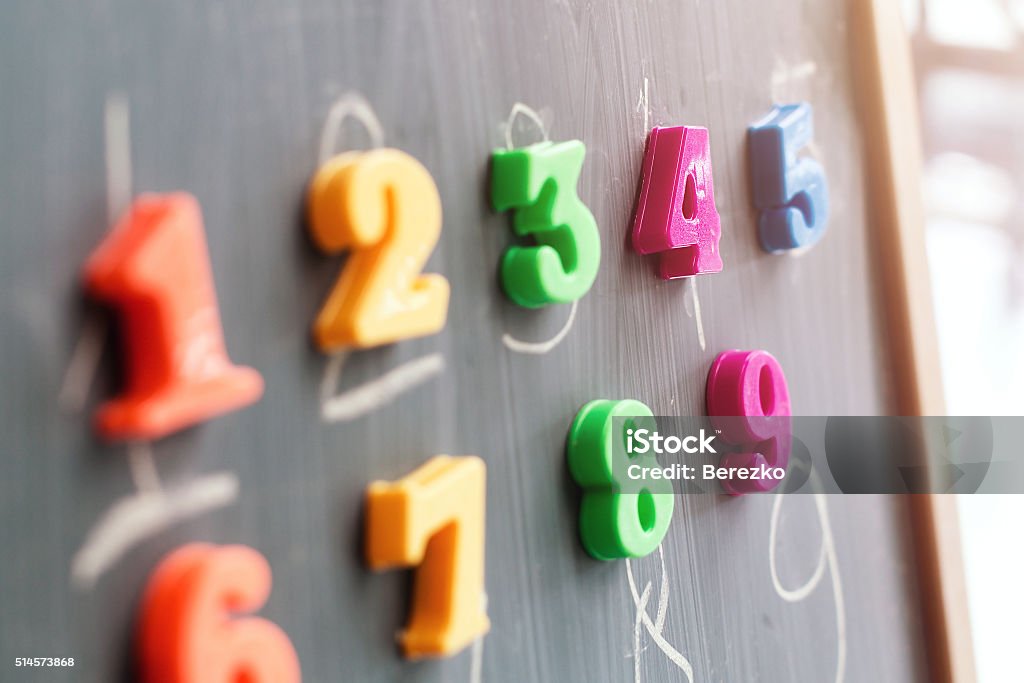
[(539, 182), (615, 523)]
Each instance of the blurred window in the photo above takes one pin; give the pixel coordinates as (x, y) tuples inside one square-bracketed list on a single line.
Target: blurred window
[(970, 65)]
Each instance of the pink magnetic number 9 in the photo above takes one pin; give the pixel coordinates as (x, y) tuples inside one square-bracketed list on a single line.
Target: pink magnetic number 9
[(676, 215), (748, 403)]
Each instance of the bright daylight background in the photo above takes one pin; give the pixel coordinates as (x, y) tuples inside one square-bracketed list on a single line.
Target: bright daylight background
[(969, 56)]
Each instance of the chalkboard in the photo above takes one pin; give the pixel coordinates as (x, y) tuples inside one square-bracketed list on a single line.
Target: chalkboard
[(228, 101)]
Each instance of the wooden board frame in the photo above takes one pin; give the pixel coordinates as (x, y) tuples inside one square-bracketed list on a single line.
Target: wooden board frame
[(891, 124)]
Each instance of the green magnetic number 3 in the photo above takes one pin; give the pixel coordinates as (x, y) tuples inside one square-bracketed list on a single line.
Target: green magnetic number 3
[(614, 523), (539, 182)]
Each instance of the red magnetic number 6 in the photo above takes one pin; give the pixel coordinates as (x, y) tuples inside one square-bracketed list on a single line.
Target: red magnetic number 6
[(748, 403), (188, 631)]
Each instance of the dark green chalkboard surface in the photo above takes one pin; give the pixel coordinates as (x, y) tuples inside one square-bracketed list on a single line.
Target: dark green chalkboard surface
[(228, 100)]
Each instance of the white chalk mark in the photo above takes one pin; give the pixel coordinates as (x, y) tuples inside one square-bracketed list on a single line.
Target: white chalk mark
[(365, 398), (837, 585), (350, 105), (827, 556), (520, 109), (143, 467), (698, 318), (118, 155), (797, 253), (659, 619), (815, 152), (375, 393), (332, 375), (783, 75), (510, 342), (663, 588), (641, 608), (654, 629), (133, 519), (543, 347), (476, 662), (85, 358), (645, 97), (117, 159), (797, 594)]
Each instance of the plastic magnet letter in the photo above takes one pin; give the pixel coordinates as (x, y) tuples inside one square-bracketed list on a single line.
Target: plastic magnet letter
[(155, 269), (190, 631), (791, 192), (748, 402), (434, 519), (676, 215), (614, 524), (382, 205), (539, 182)]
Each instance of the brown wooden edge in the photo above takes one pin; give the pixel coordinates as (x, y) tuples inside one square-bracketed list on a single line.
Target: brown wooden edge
[(887, 93)]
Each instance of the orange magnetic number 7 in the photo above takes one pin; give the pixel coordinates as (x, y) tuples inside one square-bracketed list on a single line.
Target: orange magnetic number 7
[(383, 205), (434, 519)]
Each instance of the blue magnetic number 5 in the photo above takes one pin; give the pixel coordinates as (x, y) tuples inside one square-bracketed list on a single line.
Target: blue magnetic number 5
[(791, 192)]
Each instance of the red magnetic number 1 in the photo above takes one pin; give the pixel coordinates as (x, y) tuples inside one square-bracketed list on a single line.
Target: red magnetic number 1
[(155, 269)]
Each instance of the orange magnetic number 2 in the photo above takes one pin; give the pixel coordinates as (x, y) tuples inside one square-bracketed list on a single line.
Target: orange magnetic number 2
[(434, 519), (188, 634), (384, 206)]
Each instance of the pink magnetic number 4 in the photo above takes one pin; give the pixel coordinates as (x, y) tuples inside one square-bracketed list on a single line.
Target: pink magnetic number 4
[(676, 215), (748, 403)]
